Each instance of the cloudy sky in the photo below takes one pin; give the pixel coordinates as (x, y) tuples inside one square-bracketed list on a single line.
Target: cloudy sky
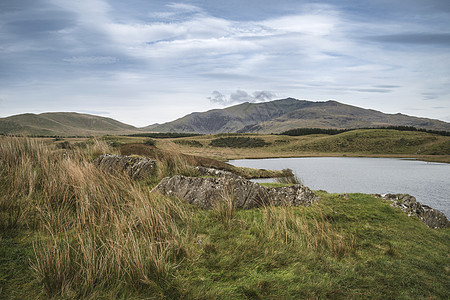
[(148, 61)]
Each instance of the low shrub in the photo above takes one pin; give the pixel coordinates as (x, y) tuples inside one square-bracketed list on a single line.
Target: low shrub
[(239, 142), (150, 142)]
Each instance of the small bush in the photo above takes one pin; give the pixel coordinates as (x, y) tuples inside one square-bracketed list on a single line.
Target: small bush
[(64, 145), (280, 142), (191, 143), (150, 142), (238, 142), (164, 135)]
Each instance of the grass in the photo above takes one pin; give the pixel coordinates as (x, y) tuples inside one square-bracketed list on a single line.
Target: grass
[(70, 231), (364, 142), (181, 163), (93, 229), (288, 178), (346, 247), (380, 141)]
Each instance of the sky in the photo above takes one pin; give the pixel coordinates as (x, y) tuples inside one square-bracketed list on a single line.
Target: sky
[(150, 61)]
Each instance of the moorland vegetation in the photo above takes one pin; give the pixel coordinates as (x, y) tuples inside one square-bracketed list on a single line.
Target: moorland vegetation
[(70, 231)]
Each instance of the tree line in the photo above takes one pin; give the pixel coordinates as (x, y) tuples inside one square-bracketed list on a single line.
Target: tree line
[(307, 131)]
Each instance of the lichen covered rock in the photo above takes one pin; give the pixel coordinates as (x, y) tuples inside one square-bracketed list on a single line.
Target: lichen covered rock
[(136, 167), (208, 192), (431, 217)]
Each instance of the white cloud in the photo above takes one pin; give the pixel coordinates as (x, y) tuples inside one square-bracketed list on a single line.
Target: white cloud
[(317, 25), (240, 96)]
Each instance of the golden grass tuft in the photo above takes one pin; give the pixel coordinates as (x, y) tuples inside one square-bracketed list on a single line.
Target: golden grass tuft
[(96, 228)]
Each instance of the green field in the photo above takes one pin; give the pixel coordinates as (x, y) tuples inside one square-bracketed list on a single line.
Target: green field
[(363, 142), (71, 231)]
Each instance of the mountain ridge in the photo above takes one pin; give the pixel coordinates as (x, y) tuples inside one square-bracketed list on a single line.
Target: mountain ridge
[(284, 114), (265, 117)]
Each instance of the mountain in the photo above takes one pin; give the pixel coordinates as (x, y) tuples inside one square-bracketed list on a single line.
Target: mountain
[(280, 115), (62, 124), (267, 117)]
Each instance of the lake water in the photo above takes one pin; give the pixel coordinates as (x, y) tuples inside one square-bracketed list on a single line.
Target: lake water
[(428, 182)]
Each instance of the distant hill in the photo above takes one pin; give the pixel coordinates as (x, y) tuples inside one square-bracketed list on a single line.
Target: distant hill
[(267, 117), (280, 115), (62, 124)]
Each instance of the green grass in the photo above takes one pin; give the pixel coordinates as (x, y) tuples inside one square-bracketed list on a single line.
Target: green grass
[(360, 247), (16, 277), (442, 148), (376, 141), (70, 231), (364, 142)]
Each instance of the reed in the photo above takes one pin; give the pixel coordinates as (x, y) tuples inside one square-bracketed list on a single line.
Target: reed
[(225, 210), (96, 229)]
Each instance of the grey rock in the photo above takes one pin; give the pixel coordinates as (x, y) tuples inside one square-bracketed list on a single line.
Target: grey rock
[(203, 171), (431, 217), (208, 192), (136, 167)]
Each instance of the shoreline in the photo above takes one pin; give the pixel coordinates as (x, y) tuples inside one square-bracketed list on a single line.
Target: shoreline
[(427, 158)]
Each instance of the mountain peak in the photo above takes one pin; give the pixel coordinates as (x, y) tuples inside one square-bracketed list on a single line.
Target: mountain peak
[(284, 114)]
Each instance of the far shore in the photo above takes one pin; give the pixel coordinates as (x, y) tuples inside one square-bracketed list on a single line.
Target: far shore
[(427, 158)]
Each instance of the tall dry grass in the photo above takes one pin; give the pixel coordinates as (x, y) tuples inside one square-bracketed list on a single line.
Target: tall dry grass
[(225, 210), (97, 229), (288, 178), (294, 228), (174, 164)]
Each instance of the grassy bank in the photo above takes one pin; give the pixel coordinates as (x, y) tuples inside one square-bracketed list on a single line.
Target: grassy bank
[(70, 231), (357, 143), (367, 143)]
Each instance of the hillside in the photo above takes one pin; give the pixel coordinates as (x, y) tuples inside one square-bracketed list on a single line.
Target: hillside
[(62, 124), (267, 117), (279, 115)]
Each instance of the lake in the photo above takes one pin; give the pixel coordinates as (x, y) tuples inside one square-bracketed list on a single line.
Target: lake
[(428, 182)]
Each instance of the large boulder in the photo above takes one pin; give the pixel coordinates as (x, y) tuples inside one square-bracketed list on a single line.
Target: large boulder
[(135, 166), (431, 217), (210, 191)]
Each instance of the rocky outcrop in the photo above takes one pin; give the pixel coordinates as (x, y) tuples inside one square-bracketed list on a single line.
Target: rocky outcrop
[(203, 171), (408, 204), (136, 167), (208, 192)]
